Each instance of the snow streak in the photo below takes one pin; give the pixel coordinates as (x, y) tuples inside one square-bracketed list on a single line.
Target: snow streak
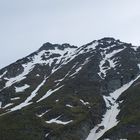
[(27, 101), (107, 57), (55, 120), (109, 119)]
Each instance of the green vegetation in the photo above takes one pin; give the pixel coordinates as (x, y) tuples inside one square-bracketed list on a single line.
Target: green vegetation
[(21, 125)]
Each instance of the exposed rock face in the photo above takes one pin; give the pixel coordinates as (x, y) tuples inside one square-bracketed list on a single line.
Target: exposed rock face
[(56, 93)]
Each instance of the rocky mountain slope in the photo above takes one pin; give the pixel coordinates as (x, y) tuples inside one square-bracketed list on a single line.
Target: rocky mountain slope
[(64, 92)]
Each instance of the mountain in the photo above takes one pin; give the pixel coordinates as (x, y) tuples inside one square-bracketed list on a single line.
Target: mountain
[(65, 92)]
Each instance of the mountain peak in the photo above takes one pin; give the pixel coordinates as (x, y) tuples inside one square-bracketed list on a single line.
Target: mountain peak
[(107, 39), (60, 89), (50, 46)]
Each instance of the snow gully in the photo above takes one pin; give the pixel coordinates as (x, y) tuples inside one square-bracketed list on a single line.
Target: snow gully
[(109, 119)]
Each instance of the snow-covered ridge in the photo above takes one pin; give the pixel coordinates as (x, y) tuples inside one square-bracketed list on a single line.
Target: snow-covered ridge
[(38, 59), (44, 57)]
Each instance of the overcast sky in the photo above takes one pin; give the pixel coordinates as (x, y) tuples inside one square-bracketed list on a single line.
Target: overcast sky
[(26, 24)]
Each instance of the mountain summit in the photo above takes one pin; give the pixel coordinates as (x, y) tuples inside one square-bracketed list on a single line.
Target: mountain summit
[(65, 92)]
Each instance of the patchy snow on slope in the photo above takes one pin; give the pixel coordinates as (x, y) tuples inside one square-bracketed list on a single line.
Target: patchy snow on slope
[(42, 114), (110, 117), (68, 73), (59, 80), (107, 57), (68, 105), (138, 66), (135, 48), (57, 100), (102, 69), (0, 104), (16, 98), (83, 102), (3, 74), (69, 54), (49, 92), (37, 75), (76, 72), (27, 68), (11, 81), (22, 89), (80, 67), (55, 120), (47, 135), (7, 105), (27, 101), (63, 59), (37, 59), (92, 46)]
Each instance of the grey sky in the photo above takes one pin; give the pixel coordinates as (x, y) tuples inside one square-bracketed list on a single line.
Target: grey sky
[(26, 24)]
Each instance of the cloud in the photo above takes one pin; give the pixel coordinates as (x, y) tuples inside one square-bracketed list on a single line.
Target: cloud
[(26, 25)]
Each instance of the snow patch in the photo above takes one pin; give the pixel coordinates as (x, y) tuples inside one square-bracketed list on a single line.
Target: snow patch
[(42, 114), (22, 89), (16, 98), (57, 100), (47, 135), (85, 103), (27, 101), (138, 66), (7, 105), (0, 105), (55, 120), (69, 105), (76, 71)]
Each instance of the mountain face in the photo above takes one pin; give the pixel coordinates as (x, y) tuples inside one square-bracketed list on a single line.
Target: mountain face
[(64, 92)]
